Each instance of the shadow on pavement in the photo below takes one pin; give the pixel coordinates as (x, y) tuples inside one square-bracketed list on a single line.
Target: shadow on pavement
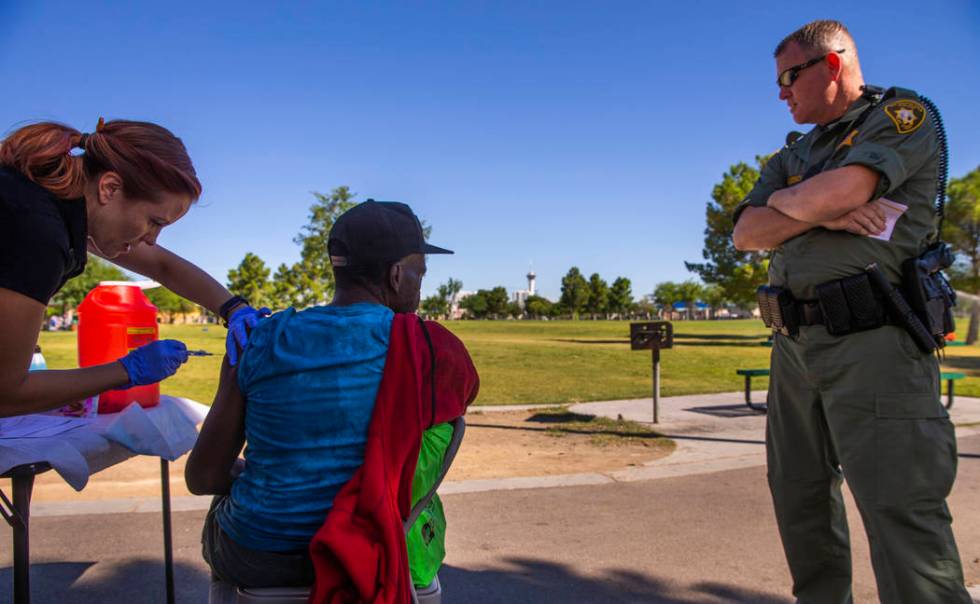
[(739, 410), (530, 580), (566, 430), (719, 336), (624, 341), (110, 581), (717, 344)]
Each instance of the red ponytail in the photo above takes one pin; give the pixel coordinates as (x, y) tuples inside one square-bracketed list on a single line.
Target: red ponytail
[(148, 158), (41, 153)]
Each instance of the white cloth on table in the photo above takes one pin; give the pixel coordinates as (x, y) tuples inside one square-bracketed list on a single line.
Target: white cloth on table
[(167, 430), (38, 426), (167, 435)]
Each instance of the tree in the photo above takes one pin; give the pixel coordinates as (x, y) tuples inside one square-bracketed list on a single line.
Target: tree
[(714, 296), (598, 302), (497, 301), (312, 276), (475, 304), (961, 228), (574, 292), (435, 306), (486, 303), (287, 288), (169, 303), (620, 296), (538, 307), (665, 294), (251, 280), (75, 290), (689, 293), (514, 310), (441, 303), (449, 290), (738, 273)]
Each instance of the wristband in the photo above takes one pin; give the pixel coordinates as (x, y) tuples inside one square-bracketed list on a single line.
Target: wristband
[(228, 306)]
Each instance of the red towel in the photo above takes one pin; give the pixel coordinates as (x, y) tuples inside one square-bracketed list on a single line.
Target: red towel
[(359, 553)]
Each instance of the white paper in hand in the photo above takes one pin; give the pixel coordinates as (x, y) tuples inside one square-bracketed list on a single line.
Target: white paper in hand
[(893, 211)]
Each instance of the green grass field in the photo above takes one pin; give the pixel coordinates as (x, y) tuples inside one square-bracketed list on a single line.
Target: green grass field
[(551, 361)]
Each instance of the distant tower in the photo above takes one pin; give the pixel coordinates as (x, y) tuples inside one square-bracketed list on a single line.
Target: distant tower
[(530, 282)]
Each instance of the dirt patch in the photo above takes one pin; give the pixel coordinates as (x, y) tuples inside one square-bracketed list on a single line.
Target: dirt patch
[(521, 443), (497, 445)]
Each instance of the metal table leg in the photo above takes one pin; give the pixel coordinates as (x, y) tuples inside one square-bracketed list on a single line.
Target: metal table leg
[(23, 485), (748, 397), (949, 394), (168, 546), (18, 516)]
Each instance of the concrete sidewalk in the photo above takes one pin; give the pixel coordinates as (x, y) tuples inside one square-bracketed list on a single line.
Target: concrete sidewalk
[(713, 432), (719, 431)]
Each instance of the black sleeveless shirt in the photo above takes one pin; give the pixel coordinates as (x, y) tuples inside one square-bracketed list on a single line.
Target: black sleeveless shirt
[(43, 238)]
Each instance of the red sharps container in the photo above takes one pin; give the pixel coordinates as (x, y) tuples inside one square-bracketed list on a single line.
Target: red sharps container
[(114, 318)]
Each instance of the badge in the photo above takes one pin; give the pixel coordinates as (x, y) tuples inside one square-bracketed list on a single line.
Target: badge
[(907, 115), (848, 140), (792, 180)]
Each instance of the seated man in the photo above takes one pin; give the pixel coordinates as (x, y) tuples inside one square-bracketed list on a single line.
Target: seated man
[(302, 400)]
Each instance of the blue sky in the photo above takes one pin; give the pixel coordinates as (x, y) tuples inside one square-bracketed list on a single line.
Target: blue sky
[(553, 133)]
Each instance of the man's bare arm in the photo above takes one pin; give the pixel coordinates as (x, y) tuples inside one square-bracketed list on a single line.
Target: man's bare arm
[(828, 195), (210, 466)]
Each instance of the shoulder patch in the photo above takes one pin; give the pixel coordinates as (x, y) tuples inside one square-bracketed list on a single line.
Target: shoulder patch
[(906, 114)]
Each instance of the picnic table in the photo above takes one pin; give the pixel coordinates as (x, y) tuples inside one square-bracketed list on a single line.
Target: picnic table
[(948, 376)]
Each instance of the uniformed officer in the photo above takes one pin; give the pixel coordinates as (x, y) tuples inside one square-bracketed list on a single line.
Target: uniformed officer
[(862, 405)]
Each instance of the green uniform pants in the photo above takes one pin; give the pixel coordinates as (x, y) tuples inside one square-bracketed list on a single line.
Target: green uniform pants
[(866, 407)]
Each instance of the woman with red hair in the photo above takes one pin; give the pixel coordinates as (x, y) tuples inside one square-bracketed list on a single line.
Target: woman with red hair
[(64, 194)]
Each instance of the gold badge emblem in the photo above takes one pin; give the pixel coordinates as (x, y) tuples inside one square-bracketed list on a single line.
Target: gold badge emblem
[(792, 180), (848, 140), (906, 114)]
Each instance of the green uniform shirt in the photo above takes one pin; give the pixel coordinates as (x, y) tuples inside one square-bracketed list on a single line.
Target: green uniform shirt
[(898, 140)]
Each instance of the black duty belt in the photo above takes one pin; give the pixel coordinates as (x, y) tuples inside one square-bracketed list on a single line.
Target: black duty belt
[(808, 312), (843, 306)]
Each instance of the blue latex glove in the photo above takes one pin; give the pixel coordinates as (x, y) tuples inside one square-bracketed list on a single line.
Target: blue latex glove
[(240, 324), (154, 362)]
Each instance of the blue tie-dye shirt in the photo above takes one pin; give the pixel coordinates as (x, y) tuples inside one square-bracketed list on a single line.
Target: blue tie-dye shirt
[(310, 379)]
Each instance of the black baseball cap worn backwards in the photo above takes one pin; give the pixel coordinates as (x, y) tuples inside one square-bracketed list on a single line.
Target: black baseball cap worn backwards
[(375, 232)]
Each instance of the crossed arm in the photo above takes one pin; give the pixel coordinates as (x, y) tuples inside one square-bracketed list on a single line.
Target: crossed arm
[(835, 200)]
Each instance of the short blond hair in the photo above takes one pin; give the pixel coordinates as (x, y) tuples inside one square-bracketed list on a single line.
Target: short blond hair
[(821, 35)]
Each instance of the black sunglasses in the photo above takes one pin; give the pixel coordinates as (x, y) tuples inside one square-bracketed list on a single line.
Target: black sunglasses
[(788, 76)]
